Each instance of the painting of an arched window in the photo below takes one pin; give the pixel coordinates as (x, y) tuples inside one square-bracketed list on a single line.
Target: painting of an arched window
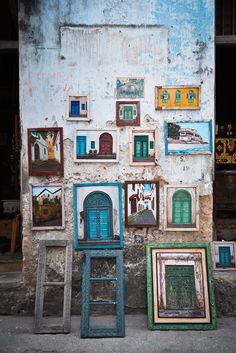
[(182, 207), (98, 219)]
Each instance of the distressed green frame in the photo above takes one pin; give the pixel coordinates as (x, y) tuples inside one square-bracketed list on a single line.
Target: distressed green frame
[(182, 325)]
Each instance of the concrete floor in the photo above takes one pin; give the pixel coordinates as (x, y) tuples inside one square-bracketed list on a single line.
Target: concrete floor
[(16, 336)]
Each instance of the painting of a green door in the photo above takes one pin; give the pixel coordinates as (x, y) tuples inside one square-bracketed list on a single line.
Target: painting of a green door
[(141, 146)]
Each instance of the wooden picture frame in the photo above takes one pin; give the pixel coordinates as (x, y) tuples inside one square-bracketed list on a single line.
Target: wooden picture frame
[(177, 97), (78, 108), (130, 87), (141, 203), (127, 113), (188, 137), (98, 221), (47, 206), (224, 255), (96, 145), (180, 290), (45, 151), (143, 146), (181, 208)]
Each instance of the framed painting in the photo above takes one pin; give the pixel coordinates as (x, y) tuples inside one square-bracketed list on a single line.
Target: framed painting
[(95, 145), (141, 203), (224, 255), (47, 206), (98, 215), (180, 289), (180, 97), (127, 113), (143, 146), (186, 137), (181, 208), (130, 87), (78, 108), (45, 150)]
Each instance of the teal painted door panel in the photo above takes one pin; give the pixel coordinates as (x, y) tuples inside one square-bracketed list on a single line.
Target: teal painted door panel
[(141, 146), (81, 145), (98, 223), (224, 256)]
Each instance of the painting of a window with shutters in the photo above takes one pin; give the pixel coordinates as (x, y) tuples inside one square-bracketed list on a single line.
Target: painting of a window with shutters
[(78, 108), (143, 146), (98, 215), (224, 255), (128, 113), (181, 208)]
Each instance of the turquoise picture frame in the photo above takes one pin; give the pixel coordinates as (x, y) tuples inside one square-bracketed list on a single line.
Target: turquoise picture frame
[(179, 318), (98, 221)]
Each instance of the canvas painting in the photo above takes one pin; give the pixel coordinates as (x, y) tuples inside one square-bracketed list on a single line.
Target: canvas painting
[(128, 87), (180, 291), (98, 215), (45, 149), (47, 206), (224, 255), (96, 145), (141, 204), (127, 113), (188, 137), (78, 108), (143, 146), (181, 97)]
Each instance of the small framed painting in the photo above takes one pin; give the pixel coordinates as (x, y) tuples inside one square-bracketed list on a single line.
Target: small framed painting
[(130, 87), (180, 289), (143, 146), (78, 108), (47, 206), (181, 208), (45, 150), (95, 145), (98, 216), (181, 97), (187, 137), (141, 203), (127, 113), (224, 255)]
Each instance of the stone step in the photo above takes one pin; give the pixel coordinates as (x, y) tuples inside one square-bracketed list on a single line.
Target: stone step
[(10, 279), (14, 265)]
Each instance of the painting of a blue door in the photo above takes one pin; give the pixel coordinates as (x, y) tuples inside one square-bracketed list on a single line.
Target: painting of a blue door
[(81, 145), (224, 256), (98, 216)]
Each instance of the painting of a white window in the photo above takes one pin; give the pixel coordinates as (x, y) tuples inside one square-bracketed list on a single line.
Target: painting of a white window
[(78, 108)]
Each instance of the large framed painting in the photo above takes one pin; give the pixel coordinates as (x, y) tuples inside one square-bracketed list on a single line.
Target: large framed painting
[(127, 113), (180, 97), (98, 215), (78, 108), (45, 150), (130, 87), (188, 137), (224, 257), (141, 203), (96, 145), (181, 208), (47, 206), (180, 289), (143, 146)]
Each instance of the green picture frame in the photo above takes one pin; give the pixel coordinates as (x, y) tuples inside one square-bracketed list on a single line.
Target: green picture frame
[(170, 314)]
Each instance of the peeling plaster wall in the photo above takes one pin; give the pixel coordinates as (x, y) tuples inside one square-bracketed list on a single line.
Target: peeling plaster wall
[(80, 47)]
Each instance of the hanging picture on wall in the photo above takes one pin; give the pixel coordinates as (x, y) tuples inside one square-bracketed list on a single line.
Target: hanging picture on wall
[(98, 215), (130, 87), (188, 137), (78, 108), (45, 149), (141, 203), (181, 97), (181, 208), (180, 287), (47, 206), (127, 113), (96, 145), (224, 255), (143, 146)]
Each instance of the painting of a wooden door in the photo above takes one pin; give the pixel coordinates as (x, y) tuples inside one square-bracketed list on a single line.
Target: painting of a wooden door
[(81, 145), (105, 144), (224, 256), (133, 204), (36, 152), (141, 146)]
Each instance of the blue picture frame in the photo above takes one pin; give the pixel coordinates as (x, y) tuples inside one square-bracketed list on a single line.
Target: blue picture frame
[(188, 137), (96, 205)]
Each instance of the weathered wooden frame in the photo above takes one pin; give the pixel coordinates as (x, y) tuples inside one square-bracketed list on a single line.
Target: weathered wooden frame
[(86, 330), (183, 323), (127, 183), (77, 118), (122, 122), (62, 206), (40, 325), (45, 173), (225, 243), (141, 131), (159, 106), (169, 191)]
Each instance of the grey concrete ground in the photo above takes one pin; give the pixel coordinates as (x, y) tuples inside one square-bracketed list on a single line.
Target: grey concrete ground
[(16, 336)]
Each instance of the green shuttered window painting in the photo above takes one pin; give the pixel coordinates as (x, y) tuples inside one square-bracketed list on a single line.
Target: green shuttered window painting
[(182, 207), (141, 146)]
